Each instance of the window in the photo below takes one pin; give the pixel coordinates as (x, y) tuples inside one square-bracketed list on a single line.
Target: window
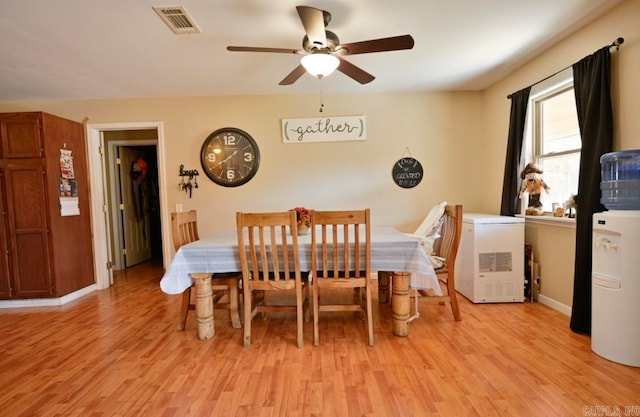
[(553, 139)]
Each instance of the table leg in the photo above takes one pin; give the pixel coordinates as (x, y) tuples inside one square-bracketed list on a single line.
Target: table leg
[(383, 287), (204, 306), (400, 305), (233, 304)]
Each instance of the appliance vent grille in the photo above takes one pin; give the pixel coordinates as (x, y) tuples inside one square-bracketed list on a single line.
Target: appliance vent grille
[(177, 19)]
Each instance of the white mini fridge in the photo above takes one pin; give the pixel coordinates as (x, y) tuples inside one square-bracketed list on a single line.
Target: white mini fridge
[(490, 261), (615, 284)]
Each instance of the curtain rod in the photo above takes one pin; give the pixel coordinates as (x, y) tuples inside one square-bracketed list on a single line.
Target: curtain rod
[(615, 44)]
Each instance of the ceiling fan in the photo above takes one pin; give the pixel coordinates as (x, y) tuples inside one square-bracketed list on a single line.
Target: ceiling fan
[(322, 51)]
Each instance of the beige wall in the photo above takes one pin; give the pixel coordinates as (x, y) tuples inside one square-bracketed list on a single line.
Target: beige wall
[(554, 247), (439, 129), (553, 251)]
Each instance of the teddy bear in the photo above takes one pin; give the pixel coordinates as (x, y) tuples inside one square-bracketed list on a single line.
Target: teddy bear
[(533, 184)]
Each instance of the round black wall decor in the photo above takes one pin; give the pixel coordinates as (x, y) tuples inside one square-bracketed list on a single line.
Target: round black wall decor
[(407, 172)]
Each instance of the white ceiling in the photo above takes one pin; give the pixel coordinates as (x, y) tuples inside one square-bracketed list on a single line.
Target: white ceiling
[(74, 49)]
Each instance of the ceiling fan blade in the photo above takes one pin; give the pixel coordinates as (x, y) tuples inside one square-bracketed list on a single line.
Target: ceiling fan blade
[(313, 22), (261, 49), (355, 72), (393, 43), (293, 76)]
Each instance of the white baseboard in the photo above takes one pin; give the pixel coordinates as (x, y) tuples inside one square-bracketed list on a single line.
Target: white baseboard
[(556, 305), (48, 302)]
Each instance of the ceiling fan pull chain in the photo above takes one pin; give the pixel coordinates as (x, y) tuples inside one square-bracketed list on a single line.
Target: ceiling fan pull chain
[(321, 101)]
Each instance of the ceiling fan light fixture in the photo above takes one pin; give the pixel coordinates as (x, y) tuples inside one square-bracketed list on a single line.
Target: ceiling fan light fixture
[(320, 64)]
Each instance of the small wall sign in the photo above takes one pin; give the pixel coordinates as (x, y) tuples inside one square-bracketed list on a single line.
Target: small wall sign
[(407, 172), (324, 129)]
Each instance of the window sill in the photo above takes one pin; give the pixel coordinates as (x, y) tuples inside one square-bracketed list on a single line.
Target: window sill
[(549, 220)]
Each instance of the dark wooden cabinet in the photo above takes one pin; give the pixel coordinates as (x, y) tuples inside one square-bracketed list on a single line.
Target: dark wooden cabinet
[(21, 135), (4, 267), (44, 254), (28, 241)]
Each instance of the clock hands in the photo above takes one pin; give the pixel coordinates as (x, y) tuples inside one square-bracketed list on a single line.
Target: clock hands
[(226, 159)]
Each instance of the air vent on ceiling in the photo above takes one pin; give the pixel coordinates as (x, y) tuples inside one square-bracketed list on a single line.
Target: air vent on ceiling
[(177, 19)]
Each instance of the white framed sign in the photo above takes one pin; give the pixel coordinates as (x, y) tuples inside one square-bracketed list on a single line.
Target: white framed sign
[(324, 129)]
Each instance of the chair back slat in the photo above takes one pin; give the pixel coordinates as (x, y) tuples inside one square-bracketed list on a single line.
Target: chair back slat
[(338, 248), (268, 245), (184, 228), (447, 245)]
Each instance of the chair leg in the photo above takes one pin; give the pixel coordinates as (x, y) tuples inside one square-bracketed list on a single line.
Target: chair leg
[(416, 294), (316, 311), (248, 304), (233, 303), (360, 299), (299, 316), (385, 288), (307, 297), (369, 315), (184, 309), (451, 289)]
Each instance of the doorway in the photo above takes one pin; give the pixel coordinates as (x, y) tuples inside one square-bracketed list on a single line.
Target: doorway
[(133, 196), (103, 140)]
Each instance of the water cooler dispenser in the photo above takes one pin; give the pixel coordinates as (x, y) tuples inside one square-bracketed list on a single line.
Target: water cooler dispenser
[(615, 310)]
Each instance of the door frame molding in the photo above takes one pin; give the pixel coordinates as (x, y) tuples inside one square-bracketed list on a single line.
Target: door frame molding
[(99, 207)]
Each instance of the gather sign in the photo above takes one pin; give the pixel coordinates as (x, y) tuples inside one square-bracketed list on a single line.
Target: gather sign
[(324, 129)]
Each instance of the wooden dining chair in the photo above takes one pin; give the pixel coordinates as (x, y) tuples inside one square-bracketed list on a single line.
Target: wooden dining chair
[(446, 248), (184, 229), (341, 258), (269, 255)]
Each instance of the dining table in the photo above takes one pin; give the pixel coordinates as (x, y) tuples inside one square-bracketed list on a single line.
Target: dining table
[(398, 258)]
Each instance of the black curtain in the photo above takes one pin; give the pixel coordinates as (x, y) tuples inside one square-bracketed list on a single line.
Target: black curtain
[(511, 182), (592, 86)]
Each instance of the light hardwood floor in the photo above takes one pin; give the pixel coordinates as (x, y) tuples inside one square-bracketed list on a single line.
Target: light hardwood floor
[(117, 352)]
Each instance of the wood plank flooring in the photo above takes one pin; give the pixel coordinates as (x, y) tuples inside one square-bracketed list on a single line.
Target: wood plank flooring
[(117, 352)]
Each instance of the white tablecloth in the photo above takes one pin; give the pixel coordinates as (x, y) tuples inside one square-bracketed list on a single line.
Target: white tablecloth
[(391, 250)]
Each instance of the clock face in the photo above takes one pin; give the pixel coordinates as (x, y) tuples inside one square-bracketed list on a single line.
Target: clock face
[(230, 157), (407, 172)]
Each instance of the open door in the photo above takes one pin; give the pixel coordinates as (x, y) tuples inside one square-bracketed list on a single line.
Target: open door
[(134, 208)]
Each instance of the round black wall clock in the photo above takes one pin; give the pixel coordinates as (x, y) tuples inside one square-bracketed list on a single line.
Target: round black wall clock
[(407, 172), (230, 157)]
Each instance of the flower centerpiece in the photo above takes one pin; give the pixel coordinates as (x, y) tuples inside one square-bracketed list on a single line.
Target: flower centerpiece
[(303, 215)]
